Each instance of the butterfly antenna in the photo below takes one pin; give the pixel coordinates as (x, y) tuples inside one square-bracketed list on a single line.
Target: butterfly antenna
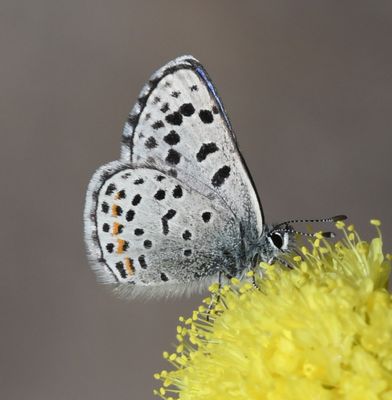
[(327, 235), (336, 218)]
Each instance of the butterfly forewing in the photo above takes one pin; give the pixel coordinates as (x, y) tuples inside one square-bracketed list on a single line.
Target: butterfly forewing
[(179, 124)]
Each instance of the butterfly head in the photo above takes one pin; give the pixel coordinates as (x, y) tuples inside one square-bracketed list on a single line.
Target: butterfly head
[(280, 239), (275, 241)]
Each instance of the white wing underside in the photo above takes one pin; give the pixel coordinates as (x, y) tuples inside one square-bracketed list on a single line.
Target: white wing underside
[(177, 129)]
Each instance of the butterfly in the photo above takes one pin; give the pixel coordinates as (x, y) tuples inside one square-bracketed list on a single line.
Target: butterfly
[(179, 209)]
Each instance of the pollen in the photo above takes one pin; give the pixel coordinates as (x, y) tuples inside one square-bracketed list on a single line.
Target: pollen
[(351, 228)]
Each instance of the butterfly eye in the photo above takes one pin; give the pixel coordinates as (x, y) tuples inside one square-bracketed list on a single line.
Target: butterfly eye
[(277, 240)]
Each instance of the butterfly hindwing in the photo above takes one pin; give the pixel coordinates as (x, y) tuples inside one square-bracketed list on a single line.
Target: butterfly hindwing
[(151, 229)]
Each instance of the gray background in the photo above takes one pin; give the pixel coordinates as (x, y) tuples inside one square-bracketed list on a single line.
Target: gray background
[(308, 87)]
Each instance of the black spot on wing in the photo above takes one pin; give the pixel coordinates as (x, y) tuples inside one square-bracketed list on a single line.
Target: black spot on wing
[(105, 175), (174, 118), (172, 138), (164, 277), (151, 143), (173, 157), (158, 124), (105, 227), (175, 94), (147, 244), (110, 247), (136, 200), (142, 100), (205, 150), (160, 194), (139, 181), (130, 215), (215, 110), (121, 194), (206, 116), (138, 231), (156, 100), (121, 269), (186, 235), (160, 178), (126, 175), (133, 120), (206, 216), (169, 215), (165, 108), (187, 252), (177, 192), (142, 261), (194, 88), (105, 207), (187, 109), (110, 189), (220, 176)]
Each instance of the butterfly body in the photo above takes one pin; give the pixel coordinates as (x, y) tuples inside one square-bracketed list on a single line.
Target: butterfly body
[(179, 208)]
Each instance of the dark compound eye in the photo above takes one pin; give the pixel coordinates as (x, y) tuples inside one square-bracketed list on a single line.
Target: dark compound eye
[(277, 240)]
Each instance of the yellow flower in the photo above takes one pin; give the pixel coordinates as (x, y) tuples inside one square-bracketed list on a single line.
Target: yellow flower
[(321, 331)]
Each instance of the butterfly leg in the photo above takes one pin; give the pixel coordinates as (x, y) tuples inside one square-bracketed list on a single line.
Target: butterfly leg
[(254, 283), (255, 264), (285, 263), (282, 261)]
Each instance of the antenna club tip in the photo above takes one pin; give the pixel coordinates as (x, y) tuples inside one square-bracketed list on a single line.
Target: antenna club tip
[(339, 218), (329, 235)]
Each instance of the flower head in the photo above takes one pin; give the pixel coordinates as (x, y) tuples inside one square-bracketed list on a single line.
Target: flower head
[(320, 331)]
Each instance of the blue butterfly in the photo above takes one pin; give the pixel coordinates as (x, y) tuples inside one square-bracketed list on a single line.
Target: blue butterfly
[(179, 209)]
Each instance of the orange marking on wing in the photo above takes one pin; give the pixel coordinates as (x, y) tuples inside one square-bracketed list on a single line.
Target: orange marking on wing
[(114, 210), (129, 266), (116, 226), (120, 246), (117, 196)]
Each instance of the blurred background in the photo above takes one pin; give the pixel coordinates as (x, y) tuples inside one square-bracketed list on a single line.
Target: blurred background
[(308, 87)]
